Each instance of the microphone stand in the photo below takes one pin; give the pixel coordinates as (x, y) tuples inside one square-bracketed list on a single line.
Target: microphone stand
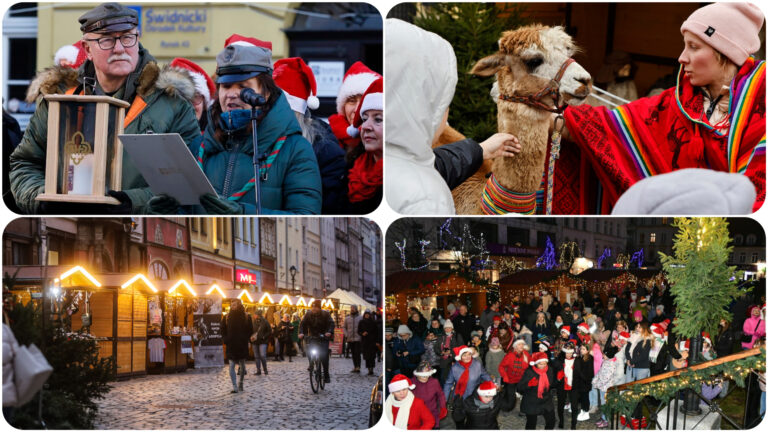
[(256, 160)]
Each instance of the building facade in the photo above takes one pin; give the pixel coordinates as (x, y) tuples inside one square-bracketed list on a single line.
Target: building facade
[(311, 255)]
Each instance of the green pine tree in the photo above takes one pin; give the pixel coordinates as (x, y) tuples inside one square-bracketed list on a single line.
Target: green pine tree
[(79, 377), (473, 29), (699, 275)]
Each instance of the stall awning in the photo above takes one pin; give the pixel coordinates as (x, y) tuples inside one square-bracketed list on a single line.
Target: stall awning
[(350, 298)]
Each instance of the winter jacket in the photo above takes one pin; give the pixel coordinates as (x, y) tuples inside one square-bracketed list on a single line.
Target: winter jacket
[(351, 323), (10, 346), (755, 327), (638, 354), (236, 331), (662, 359), (478, 415), (262, 331), (462, 325), (283, 331), (583, 372), (419, 417), (333, 168), (11, 138), (316, 325), (167, 94), (513, 366), (372, 337), (291, 185), (418, 328), (493, 361), (458, 161), (531, 404), (724, 343), (415, 348), (486, 318), (422, 88), (432, 396), (477, 376), (665, 137), (431, 352)]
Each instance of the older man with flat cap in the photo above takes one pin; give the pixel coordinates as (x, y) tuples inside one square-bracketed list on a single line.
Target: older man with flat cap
[(120, 67)]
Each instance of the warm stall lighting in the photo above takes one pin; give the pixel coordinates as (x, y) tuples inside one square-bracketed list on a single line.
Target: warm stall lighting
[(245, 292), (266, 296), (139, 277), (215, 287), (78, 269), (183, 283), (285, 299), (301, 302)]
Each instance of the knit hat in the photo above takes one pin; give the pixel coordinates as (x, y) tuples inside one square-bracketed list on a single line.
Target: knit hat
[(624, 336), (447, 324), (424, 370), (730, 28), (637, 313), (74, 54), (565, 329), (400, 382), (543, 344), (494, 341), (751, 308), (403, 329), (583, 327), (389, 330), (358, 78), (664, 324), (203, 83), (569, 347), (237, 39), (298, 82), (460, 350), (706, 338), (373, 99), (487, 389), (538, 357)]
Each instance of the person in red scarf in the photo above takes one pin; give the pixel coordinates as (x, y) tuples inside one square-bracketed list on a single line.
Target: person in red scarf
[(512, 369), (357, 78), (403, 409), (366, 172), (714, 118), (538, 387), (465, 375)]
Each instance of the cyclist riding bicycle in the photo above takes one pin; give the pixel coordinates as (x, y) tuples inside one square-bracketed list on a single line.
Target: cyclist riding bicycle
[(317, 325)]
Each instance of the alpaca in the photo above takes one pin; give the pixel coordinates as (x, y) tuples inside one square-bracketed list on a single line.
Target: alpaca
[(529, 59)]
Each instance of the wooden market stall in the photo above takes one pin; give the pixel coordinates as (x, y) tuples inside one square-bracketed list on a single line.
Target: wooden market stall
[(557, 283)]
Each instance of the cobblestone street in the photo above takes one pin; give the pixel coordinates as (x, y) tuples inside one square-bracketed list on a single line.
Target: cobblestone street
[(201, 399), (511, 420)]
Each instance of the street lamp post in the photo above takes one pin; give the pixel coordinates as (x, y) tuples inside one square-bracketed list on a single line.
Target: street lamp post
[(327, 287), (293, 271)]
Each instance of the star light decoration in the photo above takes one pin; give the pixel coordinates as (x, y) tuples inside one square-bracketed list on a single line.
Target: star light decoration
[(606, 254)]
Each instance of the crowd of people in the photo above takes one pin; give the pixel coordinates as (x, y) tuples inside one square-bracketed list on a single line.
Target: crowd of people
[(552, 357), (292, 334), (307, 166)]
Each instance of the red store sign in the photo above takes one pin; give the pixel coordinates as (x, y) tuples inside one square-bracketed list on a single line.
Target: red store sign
[(245, 276)]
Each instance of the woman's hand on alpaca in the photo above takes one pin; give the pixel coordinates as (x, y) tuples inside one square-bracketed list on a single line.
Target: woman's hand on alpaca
[(500, 144)]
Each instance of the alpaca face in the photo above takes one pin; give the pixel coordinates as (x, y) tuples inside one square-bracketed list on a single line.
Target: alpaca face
[(528, 60)]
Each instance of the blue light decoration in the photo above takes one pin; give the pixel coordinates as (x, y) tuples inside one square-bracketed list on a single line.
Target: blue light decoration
[(401, 247), (638, 258), (606, 254), (547, 260), (446, 226)]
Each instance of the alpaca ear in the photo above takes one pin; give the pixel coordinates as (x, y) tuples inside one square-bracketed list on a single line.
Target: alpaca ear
[(488, 66)]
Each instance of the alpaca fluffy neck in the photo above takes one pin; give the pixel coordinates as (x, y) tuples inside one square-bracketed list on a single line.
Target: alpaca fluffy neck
[(523, 172)]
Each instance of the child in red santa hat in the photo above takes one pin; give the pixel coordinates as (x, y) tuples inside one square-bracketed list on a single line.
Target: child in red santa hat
[(482, 411), (403, 409)]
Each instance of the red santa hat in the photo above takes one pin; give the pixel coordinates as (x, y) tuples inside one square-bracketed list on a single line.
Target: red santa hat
[(358, 78), (298, 82), (237, 39), (624, 336), (203, 82), (706, 337), (657, 330), (74, 54), (565, 329), (373, 99), (400, 382), (460, 350), (583, 327), (684, 345), (518, 341), (496, 318), (487, 389), (539, 357)]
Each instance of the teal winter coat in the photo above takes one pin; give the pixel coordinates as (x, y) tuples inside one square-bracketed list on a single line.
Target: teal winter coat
[(292, 184)]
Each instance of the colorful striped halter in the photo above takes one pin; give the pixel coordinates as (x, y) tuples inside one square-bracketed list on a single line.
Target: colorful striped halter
[(498, 200)]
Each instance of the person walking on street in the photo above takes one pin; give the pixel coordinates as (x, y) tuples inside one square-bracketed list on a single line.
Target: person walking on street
[(370, 340), (284, 332), (237, 328), (262, 332), (537, 387), (351, 324)]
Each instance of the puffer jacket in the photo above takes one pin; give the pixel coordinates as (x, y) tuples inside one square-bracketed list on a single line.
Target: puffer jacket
[(351, 323), (333, 168), (422, 87), (167, 93), (477, 376), (477, 415), (292, 185)]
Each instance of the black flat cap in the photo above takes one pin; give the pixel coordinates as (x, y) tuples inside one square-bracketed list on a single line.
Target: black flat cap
[(108, 18)]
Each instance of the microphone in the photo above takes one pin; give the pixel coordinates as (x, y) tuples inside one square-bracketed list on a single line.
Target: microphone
[(249, 96)]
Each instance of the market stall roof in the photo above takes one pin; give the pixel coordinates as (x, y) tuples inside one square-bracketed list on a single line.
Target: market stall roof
[(531, 277), (407, 279), (600, 275), (350, 298)]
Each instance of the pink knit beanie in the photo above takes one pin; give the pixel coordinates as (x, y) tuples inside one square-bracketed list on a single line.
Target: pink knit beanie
[(730, 28)]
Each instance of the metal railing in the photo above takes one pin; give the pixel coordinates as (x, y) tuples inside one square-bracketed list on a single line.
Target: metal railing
[(670, 420)]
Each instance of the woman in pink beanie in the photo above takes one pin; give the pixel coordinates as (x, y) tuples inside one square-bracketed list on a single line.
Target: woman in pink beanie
[(714, 117)]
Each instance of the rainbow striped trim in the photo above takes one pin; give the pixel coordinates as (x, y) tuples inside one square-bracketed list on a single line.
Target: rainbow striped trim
[(498, 200), (741, 107), (629, 137)]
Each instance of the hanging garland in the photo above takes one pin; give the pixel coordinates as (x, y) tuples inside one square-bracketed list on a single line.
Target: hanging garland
[(625, 402)]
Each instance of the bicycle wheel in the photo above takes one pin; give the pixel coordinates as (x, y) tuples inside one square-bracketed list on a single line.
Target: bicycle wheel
[(319, 372), (313, 381)]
